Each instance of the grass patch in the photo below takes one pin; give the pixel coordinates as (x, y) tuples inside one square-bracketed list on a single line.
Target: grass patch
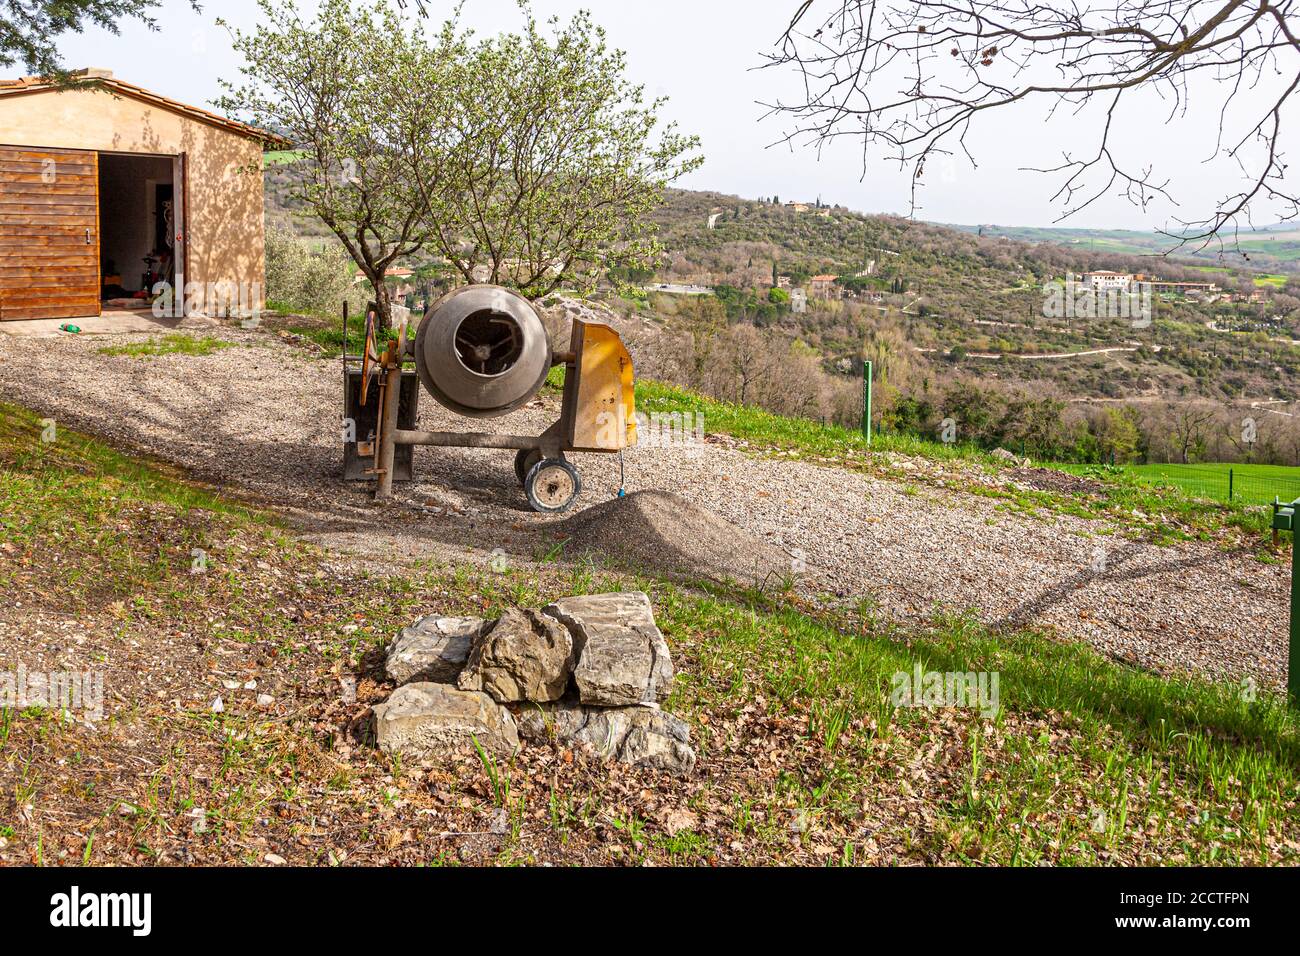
[(177, 343), (327, 333), (804, 755), (284, 157), (81, 519), (1210, 773), (1248, 483), (330, 337), (76, 467)]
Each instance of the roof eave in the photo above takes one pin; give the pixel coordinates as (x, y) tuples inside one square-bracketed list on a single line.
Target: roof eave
[(117, 87)]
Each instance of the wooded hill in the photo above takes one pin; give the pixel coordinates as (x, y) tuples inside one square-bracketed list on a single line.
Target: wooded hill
[(934, 306)]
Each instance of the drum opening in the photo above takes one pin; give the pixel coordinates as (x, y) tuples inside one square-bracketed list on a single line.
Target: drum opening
[(489, 342)]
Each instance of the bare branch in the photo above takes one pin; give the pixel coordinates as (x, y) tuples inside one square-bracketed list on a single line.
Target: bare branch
[(910, 80)]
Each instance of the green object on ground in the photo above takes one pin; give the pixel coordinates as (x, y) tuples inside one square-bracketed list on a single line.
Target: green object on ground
[(866, 400), (1284, 520), (69, 327)]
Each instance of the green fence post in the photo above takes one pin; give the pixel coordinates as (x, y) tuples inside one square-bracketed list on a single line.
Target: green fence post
[(866, 401), (1293, 652), (1229, 484), (1284, 519)]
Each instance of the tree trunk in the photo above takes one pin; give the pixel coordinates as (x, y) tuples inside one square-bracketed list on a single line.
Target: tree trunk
[(383, 308)]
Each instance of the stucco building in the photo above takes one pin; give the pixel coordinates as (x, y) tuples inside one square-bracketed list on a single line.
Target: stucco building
[(107, 189), (1106, 281)]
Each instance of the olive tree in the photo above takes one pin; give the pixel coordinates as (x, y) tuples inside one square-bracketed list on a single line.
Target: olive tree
[(545, 160), (336, 85)]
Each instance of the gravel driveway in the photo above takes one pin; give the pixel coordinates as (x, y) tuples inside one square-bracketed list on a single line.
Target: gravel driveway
[(263, 418)]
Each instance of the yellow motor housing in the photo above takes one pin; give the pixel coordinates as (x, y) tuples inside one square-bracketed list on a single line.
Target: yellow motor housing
[(599, 411)]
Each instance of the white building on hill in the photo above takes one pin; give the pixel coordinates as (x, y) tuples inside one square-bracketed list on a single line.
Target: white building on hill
[(1105, 281)]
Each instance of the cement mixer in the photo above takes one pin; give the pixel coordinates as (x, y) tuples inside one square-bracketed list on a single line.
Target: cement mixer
[(482, 351)]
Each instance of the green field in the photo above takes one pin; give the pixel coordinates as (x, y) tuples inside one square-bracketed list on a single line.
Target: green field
[(283, 157), (1253, 484), (1281, 245)]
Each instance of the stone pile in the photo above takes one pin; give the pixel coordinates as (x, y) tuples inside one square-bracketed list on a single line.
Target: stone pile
[(589, 670)]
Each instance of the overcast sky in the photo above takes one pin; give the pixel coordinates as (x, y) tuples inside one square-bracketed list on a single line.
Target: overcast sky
[(701, 54)]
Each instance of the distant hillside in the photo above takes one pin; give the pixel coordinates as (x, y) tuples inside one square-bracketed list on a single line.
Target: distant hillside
[(956, 302), (972, 304), (1275, 246)]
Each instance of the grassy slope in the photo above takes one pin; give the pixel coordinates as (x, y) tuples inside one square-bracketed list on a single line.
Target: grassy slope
[(803, 757)]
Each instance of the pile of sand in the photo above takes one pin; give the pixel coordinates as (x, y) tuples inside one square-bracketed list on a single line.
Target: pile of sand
[(661, 532)]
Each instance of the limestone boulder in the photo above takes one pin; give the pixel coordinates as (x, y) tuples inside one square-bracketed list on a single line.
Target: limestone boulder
[(433, 649), (622, 658), (425, 718), (639, 736), (525, 655)]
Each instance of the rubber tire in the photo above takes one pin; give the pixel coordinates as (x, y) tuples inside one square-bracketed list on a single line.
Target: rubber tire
[(534, 476), (524, 461)]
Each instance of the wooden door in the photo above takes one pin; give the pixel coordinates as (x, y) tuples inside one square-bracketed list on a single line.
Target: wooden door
[(49, 233)]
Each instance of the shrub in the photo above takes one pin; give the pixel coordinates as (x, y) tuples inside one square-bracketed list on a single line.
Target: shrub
[(305, 281)]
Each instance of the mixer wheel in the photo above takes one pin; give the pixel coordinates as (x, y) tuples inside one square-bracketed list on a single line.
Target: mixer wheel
[(552, 485), (524, 462)]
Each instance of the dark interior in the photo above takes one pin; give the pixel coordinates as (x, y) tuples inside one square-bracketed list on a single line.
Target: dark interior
[(136, 214), (489, 342)]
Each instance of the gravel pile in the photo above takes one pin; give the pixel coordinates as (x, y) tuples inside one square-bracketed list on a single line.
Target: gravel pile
[(264, 418), (662, 532)]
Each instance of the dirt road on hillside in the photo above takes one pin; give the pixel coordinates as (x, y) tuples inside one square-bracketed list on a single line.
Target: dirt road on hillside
[(263, 418)]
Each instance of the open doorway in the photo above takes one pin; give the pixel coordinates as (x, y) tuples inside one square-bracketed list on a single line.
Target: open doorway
[(137, 215)]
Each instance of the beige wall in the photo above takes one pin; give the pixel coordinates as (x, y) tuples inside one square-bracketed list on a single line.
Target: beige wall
[(224, 215)]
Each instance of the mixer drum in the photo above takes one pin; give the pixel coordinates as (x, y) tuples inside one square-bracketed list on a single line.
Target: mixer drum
[(482, 351)]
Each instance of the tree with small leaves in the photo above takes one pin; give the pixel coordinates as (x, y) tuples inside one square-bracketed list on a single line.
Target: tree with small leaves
[(558, 160), (338, 86)]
